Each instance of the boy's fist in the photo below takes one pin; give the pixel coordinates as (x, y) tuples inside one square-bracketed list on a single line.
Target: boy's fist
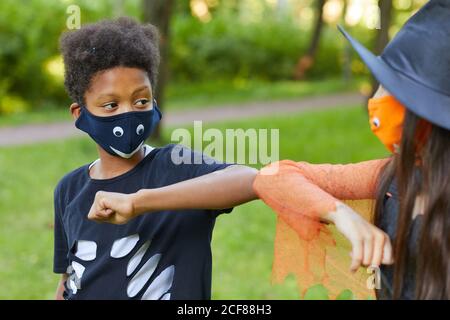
[(112, 207)]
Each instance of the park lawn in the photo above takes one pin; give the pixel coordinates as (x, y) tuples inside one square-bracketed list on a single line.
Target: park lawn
[(242, 241), (206, 95)]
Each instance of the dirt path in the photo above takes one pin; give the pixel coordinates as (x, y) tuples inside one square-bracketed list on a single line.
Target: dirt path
[(27, 134)]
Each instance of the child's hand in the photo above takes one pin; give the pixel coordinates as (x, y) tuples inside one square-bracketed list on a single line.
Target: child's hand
[(370, 245), (112, 207)]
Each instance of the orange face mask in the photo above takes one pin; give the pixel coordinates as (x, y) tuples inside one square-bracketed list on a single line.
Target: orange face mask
[(386, 116)]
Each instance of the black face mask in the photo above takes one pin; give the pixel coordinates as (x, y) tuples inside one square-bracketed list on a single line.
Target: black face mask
[(123, 134)]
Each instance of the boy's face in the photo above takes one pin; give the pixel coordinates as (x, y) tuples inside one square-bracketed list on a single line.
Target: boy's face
[(117, 90)]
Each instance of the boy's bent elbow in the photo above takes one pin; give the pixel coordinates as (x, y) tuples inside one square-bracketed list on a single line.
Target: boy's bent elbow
[(242, 179)]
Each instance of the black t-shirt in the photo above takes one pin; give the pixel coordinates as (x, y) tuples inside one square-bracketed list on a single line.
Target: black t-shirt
[(159, 255)]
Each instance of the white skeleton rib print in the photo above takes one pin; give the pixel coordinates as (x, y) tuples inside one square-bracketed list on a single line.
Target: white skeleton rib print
[(157, 290)]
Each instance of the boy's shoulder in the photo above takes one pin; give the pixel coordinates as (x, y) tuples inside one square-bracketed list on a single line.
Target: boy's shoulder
[(172, 147), (165, 151), (74, 177), (80, 174), (181, 154), (167, 156), (172, 155)]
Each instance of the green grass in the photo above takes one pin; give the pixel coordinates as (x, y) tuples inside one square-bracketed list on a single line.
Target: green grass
[(208, 94), (242, 241)]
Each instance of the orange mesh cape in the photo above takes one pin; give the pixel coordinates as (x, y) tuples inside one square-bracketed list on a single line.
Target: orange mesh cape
[(300, 193)]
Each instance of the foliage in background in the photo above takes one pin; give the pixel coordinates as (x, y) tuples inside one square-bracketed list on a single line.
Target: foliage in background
[(247, 39), (30, 65), (226, 48)]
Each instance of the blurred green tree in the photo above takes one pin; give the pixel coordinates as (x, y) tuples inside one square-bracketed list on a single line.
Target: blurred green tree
[(159, 13), (382, 38), (307, 60)]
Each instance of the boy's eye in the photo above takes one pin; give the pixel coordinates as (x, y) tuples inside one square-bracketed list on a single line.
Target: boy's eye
[(142, 102), (110, 106)]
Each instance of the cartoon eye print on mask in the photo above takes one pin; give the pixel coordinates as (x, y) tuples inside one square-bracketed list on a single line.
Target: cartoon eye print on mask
[(118, 132), (376, 122), (140, 129)]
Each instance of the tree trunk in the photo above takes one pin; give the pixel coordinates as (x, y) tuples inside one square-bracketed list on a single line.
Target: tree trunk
[(306, 61), (158, 13), (347, 64), (282, 8), (382, 38), (118, 8)]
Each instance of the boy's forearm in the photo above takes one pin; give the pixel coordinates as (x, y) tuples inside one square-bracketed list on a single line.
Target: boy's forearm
[(218, 190)]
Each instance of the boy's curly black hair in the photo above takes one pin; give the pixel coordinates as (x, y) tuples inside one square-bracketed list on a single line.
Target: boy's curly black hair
[(104, 45)]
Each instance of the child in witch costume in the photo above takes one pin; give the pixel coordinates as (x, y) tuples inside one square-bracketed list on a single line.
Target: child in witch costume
[(111, 70), (410, 114)]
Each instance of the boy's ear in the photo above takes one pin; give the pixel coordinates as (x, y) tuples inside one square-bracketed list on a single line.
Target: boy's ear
[(75, 110)]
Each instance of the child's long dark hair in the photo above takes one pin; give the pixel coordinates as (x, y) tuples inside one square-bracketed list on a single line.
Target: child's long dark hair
[(426, 172)]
